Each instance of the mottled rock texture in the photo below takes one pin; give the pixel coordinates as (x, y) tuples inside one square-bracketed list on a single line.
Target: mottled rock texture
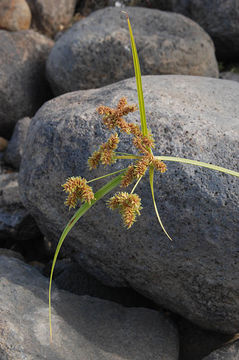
[(96, 50), (229, 75), (23, 87), (83, 327), (197, 273), (15, 15), (229, 352), (13, 154), (49, 17), (219, 18)]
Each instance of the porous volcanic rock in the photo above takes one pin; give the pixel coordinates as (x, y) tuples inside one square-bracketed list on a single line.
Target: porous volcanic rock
[(23, 86), (229, 352), (220, 19), (49, 17), (197, 273), (15, 15), (96, 50), (83, 327), (13, 153)]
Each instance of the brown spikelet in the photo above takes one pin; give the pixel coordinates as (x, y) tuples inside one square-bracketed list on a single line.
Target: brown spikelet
[(159, 165), (141, 166), (94, 159), (107, 157), (112, 117), (128, 177), (122, 102), (78, 190), (129, 206)]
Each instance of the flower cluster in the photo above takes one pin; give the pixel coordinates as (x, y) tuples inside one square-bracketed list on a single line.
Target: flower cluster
[(129, 206), (78, 191), (105, 154)]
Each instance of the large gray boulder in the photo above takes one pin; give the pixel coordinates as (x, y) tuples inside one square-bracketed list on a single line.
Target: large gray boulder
[(193, 117), (13, 153), (83, 327), (96, 50), (220, 19), (49, 17), (23, 86)]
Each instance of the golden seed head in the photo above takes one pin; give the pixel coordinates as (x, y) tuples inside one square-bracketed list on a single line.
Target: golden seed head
[(129, 206), (78, 190), (159, 165), (128, 177)]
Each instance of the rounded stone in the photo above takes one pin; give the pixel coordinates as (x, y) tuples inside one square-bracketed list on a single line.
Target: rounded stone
[(196, 274), (96, 50)]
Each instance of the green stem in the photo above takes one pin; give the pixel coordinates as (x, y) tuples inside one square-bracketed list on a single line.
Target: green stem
[(136, 185), (104, 176), (128, 157), (198, 163)]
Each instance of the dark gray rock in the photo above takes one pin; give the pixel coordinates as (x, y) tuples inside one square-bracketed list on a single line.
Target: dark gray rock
[(23, 87), (83, 327), (229, 75), (195, 342), (72, 277), (13, 154), (18, 230), (49, 17), (229, 352), (96, 50), (87, 6), (196, 275), (220, 19)]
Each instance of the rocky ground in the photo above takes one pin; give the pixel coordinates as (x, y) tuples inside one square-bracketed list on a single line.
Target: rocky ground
[(119, 294)]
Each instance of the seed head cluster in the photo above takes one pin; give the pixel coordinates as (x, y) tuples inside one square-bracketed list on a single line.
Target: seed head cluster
[(78, 190), (106, 153), (129, 205)]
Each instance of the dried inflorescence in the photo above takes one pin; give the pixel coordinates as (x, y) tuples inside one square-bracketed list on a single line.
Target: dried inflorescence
[(78, 191), (106, 153), (128, 204)]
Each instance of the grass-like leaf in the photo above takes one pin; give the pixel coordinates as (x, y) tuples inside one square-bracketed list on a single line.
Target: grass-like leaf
[(79, 213), (138, 81), (151, 180), (198, 163)]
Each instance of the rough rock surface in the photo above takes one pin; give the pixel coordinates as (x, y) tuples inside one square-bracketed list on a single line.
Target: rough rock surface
[(18, 229), (13, 154), (196, 275), (51, 16), (23, 87), (15, 15), (83, 327), (229, 352), (96, 50), (229, 75), (72, 277), (220, 19)]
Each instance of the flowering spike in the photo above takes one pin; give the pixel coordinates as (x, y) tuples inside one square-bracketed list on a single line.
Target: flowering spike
[(129, 206), (78, 190), (128, 177)]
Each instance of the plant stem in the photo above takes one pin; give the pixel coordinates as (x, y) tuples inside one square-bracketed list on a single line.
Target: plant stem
[(104, 176)]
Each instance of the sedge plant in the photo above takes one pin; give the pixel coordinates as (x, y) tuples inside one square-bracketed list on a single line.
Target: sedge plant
[(128, 204)]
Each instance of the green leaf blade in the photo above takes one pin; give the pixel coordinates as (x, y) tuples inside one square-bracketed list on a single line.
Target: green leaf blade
[(198, 163), (151, 181), (138, 81), (79, 213)]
